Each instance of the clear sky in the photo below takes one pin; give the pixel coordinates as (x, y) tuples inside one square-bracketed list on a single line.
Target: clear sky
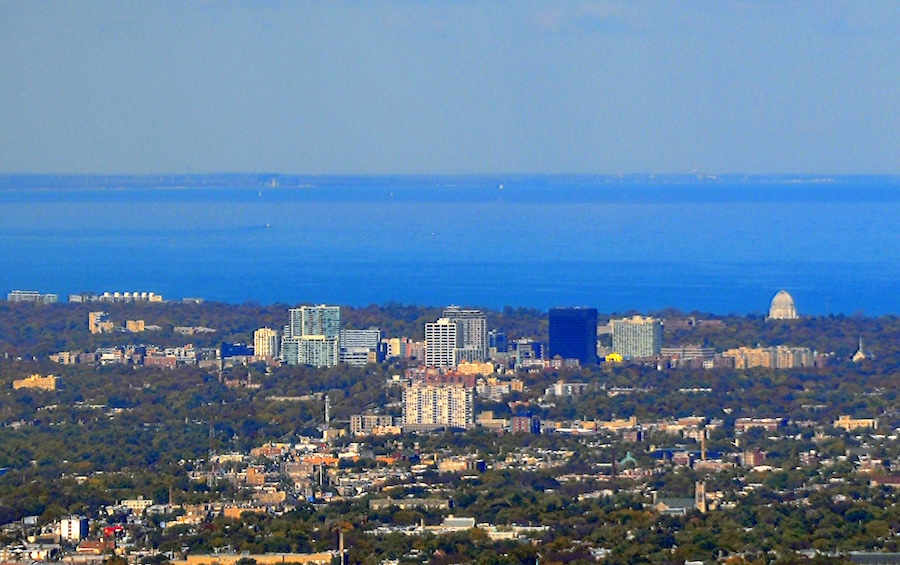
[(450, 87)]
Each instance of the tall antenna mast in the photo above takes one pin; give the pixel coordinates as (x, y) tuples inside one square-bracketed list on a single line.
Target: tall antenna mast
[(327, 410)]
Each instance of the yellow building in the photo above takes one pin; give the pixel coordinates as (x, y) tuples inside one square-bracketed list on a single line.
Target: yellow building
[(486, 419), (849, 424), (322, 558), (452, 465), (134, 326), (469, 368), (265, 342), (585, 425), (36, 381), (98, 323), (748, 357), (621, 424), (234, 512)]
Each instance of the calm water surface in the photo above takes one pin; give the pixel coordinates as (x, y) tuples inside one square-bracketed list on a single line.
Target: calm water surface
[(719, 246)]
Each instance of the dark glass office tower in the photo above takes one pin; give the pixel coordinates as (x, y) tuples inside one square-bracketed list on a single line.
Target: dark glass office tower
[(573, 334)]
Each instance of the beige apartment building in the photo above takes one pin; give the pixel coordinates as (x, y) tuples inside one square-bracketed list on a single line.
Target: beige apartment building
[(36, 381), (265, 343), (849, 424), (366, 424), (98, 323), (433, 406), (321, 558), (780, 357), (475, 368)]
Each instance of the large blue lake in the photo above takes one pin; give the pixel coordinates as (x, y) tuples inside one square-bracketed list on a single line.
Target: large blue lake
[(715, 245)]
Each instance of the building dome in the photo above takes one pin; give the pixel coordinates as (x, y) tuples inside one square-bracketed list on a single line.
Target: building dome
[(782, 307)]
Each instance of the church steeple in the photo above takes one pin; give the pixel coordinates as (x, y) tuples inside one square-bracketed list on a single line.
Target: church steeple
[(860, 353)]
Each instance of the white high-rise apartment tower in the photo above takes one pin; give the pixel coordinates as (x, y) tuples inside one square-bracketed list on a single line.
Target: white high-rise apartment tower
[(442, 339), (637, 336)]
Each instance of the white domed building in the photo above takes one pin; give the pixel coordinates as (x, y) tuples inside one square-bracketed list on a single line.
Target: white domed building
[(782, 307)]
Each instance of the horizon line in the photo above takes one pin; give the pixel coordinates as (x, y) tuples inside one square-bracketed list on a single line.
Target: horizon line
[(694, 174)]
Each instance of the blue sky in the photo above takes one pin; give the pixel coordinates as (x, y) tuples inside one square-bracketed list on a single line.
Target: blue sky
[(450, 87)]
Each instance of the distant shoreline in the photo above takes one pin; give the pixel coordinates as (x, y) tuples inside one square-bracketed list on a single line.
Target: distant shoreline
[(256, 181), (665, 312)]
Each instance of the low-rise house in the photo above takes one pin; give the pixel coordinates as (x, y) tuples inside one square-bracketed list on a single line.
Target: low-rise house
[(885, 481)]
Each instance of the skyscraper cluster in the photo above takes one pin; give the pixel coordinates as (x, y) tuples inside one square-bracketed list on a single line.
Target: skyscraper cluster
[(313, 336), (458, 335), (474, 332)]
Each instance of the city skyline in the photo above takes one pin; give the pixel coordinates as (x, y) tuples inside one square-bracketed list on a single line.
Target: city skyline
[(520, 274), (799, 432), (309, 318)]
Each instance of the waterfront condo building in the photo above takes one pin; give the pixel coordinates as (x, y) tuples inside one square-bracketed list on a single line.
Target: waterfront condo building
[(434, 406), (315, 320), (265, 343), (359, 347), (31, 296), (474, 331), (443, 339), (637, 336), (314, 350), (120, 297), (312, 336), (573, 334), (370, 338)]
